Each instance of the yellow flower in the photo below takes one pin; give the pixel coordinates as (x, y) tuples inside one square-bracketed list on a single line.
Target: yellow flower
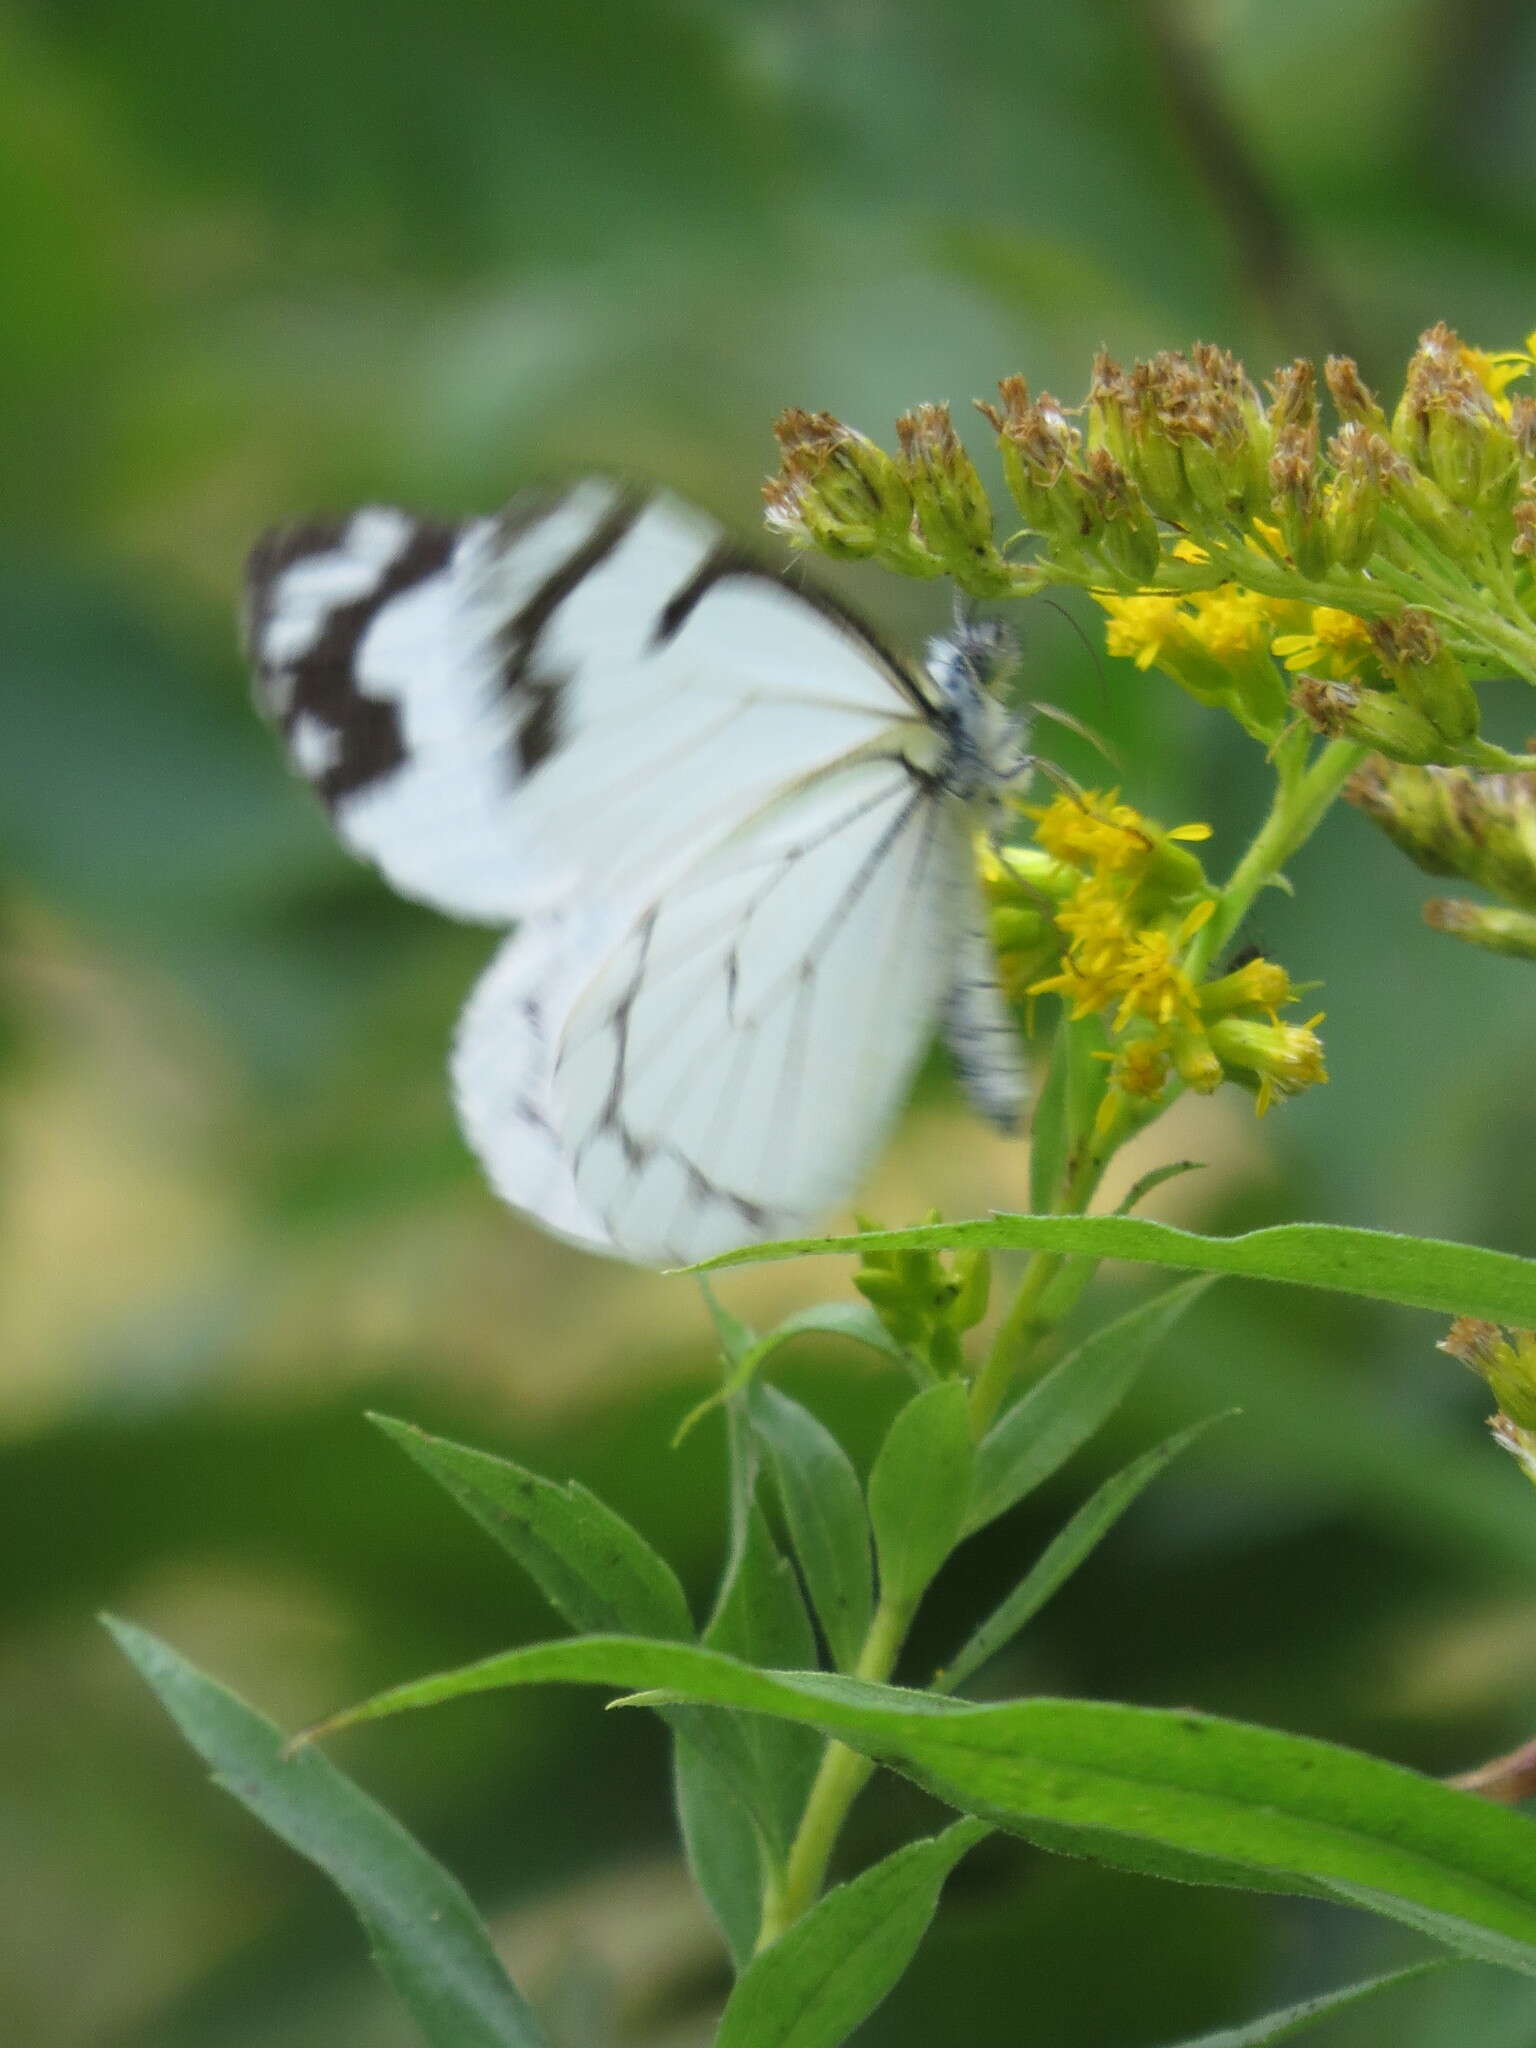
[(1149, 978), (1496, 370), (1098, 933), (1140, 628), (1282, 1058), (1123, 950), (1093, 831), (1094, 919), (1112, 961), (1256, 985), (1140, 1067), (1151, 982), (1230, 623), (1337, 647)]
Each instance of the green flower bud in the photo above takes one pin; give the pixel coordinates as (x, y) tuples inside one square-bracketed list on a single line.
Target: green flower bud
[(1123, 529), (1507, 1363), (946, 1354), (1448, 426), (1364, 466), (1375, 717), (1108, 425), (1352, 396), (1039, 452), (1452, 822), (1279, 1059), (1487, 925), (1412, 652), (1297, 499), (838, 492), (890, 1297), (973, 1273), (952, 507)]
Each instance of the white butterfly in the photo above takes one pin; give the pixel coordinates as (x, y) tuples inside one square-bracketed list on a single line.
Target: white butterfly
[(733, 831)]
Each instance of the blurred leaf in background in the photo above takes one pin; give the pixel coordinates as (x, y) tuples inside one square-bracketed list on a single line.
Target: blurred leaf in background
[(260, 261)]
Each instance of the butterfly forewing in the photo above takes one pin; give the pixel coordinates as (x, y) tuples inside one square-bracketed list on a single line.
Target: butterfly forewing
[(511, 713)]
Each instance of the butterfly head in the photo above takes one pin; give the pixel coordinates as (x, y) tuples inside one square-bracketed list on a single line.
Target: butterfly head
[(975, 656), (985, 744)]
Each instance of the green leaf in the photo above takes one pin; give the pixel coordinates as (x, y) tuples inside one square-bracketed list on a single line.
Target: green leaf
[(1414, 1272), (733, 1334), (596, 1571), (855, 1320), (920, 1488), (1048, 1127), (761, 1619), (1062, 1411), (1172, 1794), (1155, 1179), (1087, 1079), (824, 1507), (599, 1574), (721, 1844), (826, 1975), (1065, 1553), (1296, 2019), (425, 1935)]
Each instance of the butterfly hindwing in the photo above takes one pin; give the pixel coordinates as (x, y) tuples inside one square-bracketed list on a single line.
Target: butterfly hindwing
[(981, 1033), (503, 1069), (733, 1055)]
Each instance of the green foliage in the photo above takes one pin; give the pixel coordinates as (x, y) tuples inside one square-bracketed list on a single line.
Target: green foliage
[(421, 1927), (1059, 1414), (833, 1967), (746, 1354), (1299, 2019), (722, 1845), (824, 1507), (919, 1490), (592, 1567), (1170, 1794), (1414, 1272), (761, 1618), (1051, 1570), (1049, 1134)]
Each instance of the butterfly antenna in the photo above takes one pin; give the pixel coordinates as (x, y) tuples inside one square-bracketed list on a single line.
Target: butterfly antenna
[(1095, 740), (1067, 784), (1093, 652)]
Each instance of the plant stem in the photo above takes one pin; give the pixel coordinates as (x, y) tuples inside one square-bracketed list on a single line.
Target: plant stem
[(838, 1782), (1301, 801), (1024, 1323)]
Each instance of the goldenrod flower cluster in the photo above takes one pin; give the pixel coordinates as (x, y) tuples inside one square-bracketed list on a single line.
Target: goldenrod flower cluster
[(1109, 903), (1364, 571)]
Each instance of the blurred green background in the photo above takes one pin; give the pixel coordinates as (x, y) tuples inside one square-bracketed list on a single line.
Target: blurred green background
[(260, 260)]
